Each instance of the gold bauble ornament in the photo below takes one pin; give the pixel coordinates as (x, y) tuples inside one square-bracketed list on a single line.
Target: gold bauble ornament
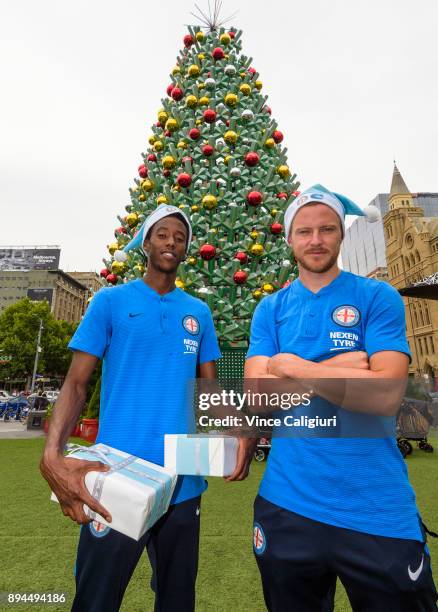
[(161, 199), (268, 288), (158, 145), (242, 75), (192, 261), (258, 85), (200, 36), (209, 201), (227, 159), (191, 101), (283, 171), (254, 234), (274, 212), (117, 267), (147, 185), (231, 99), (171, 124), (204, 101), (201, 56), (176, 70), (112, 248), (230, 137), (257, 294), (168, 162), (176, 188), (198, 121), (142, 197), (194, 208), (152, 139), (225, 38), (270, 143), (256, 249), (139, 268), (162, 116), (201, 85), (179, 283), (181, 145), (132, 219), (194, 70), (245, 89)]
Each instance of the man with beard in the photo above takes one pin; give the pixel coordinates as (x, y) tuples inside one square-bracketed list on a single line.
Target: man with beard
[(336, 507), (141, 330)]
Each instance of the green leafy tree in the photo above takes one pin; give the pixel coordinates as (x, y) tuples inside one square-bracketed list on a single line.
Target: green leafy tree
[(19, 325), (217, 153)]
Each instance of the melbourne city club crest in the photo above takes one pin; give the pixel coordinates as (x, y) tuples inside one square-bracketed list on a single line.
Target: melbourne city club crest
[(98, 529), (191, 325), (347, 316), (259, 539)]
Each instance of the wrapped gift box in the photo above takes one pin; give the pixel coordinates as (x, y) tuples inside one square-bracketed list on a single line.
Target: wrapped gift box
[(200, 454), (135, 492)]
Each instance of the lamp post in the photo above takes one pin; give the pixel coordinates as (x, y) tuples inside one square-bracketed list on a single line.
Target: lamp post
[(37, 354)]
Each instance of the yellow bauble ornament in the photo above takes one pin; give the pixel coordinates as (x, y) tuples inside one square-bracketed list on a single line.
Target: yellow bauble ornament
[(274, 212), (132, 219), (201, 85), (204, 101), (227, 159), (176, 188), (139, 268), (168, 162), (194, 208), (171, 124), (245, 89), (225, 39), (161, 199), (231, 99), (191, 101), (242, 75), (158, 145), (147, 185), (254, 234), (209, 201), (198, 121), (179, 283), (258, 85), (181, 145), (162, 116), (270, 143), (152, 139), (112, 248), (192, 261), (256, 249), (176, 70), (230, 137), (268, 288), (194, 70), (213, 230), (257, 294), (201, 56), (283, 171), (117, 267), (142, 197), (200, 36)]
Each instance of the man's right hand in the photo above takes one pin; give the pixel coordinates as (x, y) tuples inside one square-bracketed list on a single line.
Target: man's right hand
[(66, 478), (350, 359)]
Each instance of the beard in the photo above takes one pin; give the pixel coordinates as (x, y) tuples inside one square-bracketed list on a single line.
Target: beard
[(318, 268)]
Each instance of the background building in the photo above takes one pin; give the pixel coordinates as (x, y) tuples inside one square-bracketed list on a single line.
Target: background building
[(91, 280)]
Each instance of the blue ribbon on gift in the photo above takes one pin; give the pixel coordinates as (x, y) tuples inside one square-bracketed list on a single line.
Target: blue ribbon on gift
[(192, 455)]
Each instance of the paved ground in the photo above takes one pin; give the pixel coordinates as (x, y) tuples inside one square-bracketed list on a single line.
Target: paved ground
[(16, 429)]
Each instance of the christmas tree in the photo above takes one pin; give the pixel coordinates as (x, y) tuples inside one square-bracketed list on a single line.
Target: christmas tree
[(216, 152)]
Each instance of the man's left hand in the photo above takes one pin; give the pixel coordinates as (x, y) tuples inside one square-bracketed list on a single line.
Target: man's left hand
[(245, 453)]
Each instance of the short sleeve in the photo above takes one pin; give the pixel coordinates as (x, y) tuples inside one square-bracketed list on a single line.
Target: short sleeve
[(385, 328), (209, 350), (94, 332), (262, 339)]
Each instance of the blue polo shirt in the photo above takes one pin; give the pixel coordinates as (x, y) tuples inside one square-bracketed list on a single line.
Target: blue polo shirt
[(359, 484), (150, 345)]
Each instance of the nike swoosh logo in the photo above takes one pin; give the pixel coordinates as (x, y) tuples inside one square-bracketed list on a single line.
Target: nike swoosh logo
[(414, 575), (134, 314)]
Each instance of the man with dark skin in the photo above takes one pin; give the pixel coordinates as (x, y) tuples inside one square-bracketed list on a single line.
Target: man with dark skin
[(139, 329)]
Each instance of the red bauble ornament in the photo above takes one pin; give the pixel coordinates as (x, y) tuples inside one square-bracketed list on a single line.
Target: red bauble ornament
[(267, 109), (167, 133), (231, 34), (252, 159), (194, 134), (209, 115), (240, 277), (227, 123), (296, 193), (208, 150), (111, 278), (170, 89), (142, 171), (207, 252), (184, 179), (187, 158), (158, 124), (277, 136), (188, 41), (282, 195), (218, 53), (104, 273), (276, 228), (241, 256), (286, 284), (254, 198), (252, 70), (177, 93), (152, 157), (209, 74), (120, 230), (166, 173)]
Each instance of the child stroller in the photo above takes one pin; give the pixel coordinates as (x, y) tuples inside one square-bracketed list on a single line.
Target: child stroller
[(413, 422)]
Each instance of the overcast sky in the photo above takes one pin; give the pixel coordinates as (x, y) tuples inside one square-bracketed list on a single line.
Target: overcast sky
[(351, 84)]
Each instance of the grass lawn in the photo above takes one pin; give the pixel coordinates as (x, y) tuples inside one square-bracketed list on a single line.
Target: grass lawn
[(38, 544)]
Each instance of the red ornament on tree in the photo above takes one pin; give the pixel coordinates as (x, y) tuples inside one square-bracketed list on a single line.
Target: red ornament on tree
[(207, 252), (104, 273), (184, 179), (296, 193), (143, 171), (177, 93), (218, 53), (158, 124), (111, 278), (267, 109), (242, 257), (231, 34), (187, 158), (166, 173), (170, 89), (240, 277), (254, 198), (286, 284), (120, 230), (252, 159), (276, 228), (252, 70), (209, 115), (188, 41), (167, 133), (208, 150), (194, 134), (227, 123), (152, 157), (277, 136), (282, 195)]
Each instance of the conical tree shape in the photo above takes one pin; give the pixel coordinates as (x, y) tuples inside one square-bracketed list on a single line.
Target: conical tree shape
[(216, 153)]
